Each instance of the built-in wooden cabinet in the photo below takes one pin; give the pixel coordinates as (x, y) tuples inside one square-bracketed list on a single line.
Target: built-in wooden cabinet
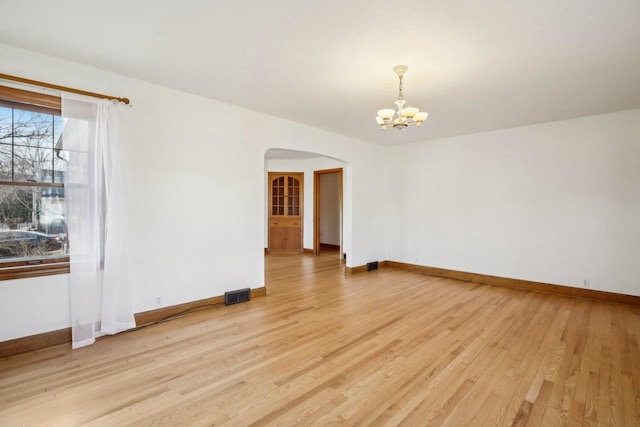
[(286, 195)]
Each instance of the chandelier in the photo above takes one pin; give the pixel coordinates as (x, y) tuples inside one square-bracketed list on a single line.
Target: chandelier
[(404, 117)]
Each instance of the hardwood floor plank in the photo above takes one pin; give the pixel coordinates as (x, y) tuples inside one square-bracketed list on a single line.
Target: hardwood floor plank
[(388, 347)]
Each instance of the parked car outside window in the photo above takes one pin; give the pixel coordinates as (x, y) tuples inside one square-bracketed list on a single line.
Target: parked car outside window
[(23, 243)]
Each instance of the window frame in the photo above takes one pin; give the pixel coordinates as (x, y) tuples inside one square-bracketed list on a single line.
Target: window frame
[(20, 268)]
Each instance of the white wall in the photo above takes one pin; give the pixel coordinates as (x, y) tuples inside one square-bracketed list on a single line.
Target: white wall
[(196, 178), (329, 208), (557, 202), (308, 166)]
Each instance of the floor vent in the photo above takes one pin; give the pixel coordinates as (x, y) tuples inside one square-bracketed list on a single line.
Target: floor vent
[(234, 297), (372, 266)]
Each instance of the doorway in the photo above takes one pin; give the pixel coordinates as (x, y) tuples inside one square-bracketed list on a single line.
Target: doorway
[(327, 211), (286, 201)]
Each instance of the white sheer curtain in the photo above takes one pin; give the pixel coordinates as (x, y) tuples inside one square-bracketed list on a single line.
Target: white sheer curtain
[(100, 295)]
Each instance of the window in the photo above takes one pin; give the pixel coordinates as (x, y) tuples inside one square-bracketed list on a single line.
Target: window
[(33, 234)]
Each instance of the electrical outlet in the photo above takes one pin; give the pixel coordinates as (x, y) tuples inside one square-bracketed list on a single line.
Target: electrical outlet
[(586, 283), (159, 301)]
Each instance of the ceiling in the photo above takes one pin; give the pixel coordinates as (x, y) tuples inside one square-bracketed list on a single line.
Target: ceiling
[(473, 65)]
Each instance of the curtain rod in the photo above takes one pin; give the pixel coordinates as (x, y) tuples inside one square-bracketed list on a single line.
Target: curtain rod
[(62, 88)]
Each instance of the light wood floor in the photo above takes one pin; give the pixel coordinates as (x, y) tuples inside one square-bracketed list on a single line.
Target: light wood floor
[(382, 348)]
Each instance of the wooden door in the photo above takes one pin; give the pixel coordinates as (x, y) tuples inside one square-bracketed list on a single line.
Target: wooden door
[(285, 211)]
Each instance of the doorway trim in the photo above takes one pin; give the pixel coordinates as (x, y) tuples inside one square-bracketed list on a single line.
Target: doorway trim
[(316, 207)]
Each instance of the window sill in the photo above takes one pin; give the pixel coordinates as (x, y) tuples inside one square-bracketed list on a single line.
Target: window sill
[(25, 268)]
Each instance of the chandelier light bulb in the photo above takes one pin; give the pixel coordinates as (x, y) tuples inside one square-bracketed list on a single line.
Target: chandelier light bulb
[(420, 117), (386, 114), (409, 112)]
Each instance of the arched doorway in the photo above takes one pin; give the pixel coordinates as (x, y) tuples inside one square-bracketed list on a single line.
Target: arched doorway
[(282, 163)]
